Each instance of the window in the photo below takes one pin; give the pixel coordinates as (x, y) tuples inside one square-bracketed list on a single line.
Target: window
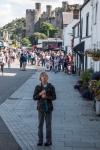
[(74, 32), (85, 62), (87, 24), (78, 30), (96, 8), (81, 27)]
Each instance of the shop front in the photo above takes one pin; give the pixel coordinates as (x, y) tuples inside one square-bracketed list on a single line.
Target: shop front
[(78, 53)]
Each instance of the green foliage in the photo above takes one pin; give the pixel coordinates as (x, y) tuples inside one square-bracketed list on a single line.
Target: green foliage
[(48, 29), (83, 87), (15, 27), (52, 32), (86, 74), (96, 53), (34, 38), (26, 42), (88, 52)]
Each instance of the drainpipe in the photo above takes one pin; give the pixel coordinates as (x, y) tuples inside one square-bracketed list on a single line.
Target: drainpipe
[(80, 28)]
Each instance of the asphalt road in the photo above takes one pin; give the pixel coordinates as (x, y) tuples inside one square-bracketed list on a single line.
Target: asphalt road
[(12, 79)]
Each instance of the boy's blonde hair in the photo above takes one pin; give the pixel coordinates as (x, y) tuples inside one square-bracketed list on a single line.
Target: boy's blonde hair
[(41, 74)]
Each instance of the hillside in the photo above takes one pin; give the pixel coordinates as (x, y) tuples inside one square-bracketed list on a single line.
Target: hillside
[(16, 26)]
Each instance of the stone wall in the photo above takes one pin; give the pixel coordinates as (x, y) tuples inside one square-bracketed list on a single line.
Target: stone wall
[(34, 18)]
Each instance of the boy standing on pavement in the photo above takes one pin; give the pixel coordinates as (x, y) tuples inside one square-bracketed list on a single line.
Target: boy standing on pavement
[(45, 94)]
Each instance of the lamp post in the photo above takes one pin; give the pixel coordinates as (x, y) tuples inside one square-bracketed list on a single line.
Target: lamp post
[(15, 34)]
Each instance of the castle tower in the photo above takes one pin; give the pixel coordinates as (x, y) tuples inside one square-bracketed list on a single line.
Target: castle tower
[(65, 6), (38, 7), (29, 22), (48, 10)]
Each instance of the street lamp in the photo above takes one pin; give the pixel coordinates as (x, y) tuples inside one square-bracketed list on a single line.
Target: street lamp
[(15, 34)]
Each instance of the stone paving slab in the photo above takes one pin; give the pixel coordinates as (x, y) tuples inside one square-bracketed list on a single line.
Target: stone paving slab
[(71, 123)]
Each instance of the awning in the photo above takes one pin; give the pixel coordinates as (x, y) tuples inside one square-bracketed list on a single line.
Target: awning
[(79, 49)]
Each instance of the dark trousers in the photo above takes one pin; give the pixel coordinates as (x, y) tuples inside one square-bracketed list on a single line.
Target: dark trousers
[(33, 62), (21, 63), (2, 67), (48, 119), (43, 62)]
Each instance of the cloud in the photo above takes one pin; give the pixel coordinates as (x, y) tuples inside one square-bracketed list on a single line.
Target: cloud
[(21, 2), (6, 14), (31, 2), (9, 13)]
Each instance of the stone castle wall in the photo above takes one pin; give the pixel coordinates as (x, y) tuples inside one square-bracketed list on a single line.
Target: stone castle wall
[(34, 18)]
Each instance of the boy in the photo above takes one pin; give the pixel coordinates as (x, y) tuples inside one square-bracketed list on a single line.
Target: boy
[(45, 94)]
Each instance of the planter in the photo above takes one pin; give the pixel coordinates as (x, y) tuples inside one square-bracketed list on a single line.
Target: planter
[(98, 107), (89, 55), (96, 58)]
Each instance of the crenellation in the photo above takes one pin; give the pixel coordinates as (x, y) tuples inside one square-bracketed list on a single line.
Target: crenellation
[(34, 18)]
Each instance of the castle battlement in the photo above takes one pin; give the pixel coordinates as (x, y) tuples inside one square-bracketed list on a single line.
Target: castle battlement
[(30, 10), (34, 18)]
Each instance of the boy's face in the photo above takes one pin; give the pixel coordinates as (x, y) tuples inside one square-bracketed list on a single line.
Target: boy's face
[(44, 78)]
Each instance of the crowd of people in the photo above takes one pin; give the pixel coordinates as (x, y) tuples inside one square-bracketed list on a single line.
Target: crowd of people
[(51, 60), (6, 57)]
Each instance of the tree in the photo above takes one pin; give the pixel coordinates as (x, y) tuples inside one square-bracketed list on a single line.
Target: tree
[(25, 42), (48, 29), (34, 38)]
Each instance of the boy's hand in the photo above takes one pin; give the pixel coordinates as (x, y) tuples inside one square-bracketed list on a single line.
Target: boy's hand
[(43, 96), (41, 93)]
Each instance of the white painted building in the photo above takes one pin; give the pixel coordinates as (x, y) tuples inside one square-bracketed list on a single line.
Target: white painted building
[(67, 35), (95, 38), (86, 22), (82, 37), (76, 33)]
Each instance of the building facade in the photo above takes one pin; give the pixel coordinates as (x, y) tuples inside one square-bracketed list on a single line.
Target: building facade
[(82, 37), (95, 37)]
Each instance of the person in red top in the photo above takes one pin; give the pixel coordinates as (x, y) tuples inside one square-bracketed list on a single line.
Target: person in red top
[(67, 61)]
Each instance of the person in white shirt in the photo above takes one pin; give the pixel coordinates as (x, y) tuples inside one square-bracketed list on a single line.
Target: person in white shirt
[(2, 62), (32, 57), (56, 63)]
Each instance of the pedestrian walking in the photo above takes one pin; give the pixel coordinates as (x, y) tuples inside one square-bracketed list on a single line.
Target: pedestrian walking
[(2, 62), (45, 94), (56, 63), (9, 62), (21, 61), (24, 62)]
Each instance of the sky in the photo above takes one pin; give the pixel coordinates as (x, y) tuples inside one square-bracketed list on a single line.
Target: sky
[(12, 9)]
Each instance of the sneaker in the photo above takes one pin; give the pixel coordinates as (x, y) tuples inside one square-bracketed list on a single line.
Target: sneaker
[(40, 143), (48, 143)]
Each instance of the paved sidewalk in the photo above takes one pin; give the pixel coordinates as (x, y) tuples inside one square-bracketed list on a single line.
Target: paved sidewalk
[(75, 125)]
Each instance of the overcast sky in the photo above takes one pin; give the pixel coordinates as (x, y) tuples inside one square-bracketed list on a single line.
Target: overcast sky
[(12, 9)]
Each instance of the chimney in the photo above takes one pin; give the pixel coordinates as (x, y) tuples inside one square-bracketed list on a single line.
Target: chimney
[(75, 14)]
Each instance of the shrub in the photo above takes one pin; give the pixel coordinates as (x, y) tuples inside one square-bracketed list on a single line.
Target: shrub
[(77, 86), (95, 76), (86, 74), (86, 93)]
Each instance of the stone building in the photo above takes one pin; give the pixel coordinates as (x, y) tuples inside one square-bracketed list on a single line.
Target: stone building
[(34, 18)]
